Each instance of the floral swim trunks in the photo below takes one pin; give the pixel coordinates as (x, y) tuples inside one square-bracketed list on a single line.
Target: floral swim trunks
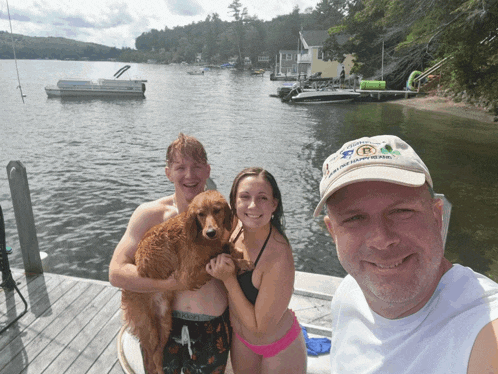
[(198, 344)]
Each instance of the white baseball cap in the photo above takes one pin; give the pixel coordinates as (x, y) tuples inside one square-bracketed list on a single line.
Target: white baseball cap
[(384, 158)]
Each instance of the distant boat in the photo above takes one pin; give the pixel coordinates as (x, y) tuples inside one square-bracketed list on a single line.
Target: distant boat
[(284, 77), (101, 88), (258, 72), (198, 72), (325, 95)]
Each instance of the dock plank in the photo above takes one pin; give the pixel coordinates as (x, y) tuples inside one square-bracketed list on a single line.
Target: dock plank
[(56, 346), (20, 349), (93, 350), (12, 299), (116, 369), (81, 341), (107, 360), (52, 331), (38, 305)]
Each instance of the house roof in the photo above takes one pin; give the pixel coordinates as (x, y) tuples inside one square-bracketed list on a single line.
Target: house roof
[(316, 38)]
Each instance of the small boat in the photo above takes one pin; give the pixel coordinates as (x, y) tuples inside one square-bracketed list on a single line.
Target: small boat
[(284, 77), (198, 72), (101, 88), (299, 95), (258, 72)]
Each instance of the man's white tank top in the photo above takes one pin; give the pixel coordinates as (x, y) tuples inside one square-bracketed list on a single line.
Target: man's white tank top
[(436, 339)]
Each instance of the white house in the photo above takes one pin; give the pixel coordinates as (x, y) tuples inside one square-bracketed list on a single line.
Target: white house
[(287, 62)]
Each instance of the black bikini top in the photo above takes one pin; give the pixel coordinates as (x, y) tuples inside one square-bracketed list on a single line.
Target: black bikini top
[(245, 279)]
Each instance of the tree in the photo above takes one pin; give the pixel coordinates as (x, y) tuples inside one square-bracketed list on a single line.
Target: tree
[(283, 32), (403, 27), (471, 39), (328, 13), (213, 24), (240, 16)]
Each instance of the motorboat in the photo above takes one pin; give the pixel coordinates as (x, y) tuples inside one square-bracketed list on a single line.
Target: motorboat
[(284, 77), (300, 95), (101, 88), (258, 72)]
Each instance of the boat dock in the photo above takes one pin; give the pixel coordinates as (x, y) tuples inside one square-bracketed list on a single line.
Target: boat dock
[(373, 92), (72, 324), (379, 95)]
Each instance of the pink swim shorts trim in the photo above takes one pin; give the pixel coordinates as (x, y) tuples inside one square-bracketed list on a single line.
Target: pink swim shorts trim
[(270, 350)]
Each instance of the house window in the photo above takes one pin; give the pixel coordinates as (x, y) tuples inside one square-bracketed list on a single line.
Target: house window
[(320, 53), (288, 56)]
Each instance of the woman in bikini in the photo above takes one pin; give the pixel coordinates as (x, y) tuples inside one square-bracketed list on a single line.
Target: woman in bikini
[(267, 337)]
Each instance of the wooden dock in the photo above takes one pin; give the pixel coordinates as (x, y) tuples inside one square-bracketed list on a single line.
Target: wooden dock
[(380, 95), (72, 323)]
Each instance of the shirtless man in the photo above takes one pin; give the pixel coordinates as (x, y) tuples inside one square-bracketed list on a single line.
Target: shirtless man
[(200, 318)]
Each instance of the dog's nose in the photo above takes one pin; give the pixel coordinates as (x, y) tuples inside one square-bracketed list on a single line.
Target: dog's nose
[(211, 233)]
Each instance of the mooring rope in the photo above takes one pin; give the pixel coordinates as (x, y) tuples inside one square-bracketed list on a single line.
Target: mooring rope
[(14, 49)]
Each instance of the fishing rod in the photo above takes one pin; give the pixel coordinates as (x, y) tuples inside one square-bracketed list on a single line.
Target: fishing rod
[(14, 49)]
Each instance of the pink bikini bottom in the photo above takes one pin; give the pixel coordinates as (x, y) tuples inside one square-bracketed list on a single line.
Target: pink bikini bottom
[(270, 350)]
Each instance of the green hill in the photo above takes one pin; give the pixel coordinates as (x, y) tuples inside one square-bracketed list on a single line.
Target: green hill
[(29, 47)]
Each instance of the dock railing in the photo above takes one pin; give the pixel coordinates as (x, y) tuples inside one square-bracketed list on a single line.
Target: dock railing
[(23, 210), (430, 71)]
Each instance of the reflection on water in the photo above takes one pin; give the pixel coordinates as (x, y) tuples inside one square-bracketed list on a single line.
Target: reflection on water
[(91, 162)]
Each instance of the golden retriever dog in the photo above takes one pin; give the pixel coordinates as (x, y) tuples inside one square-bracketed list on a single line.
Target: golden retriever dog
[(180, 246)]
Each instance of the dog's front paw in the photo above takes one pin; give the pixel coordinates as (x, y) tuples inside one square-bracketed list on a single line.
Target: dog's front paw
[(243, 265)]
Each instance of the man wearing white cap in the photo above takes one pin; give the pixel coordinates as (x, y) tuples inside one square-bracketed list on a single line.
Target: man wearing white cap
[(403, 307)]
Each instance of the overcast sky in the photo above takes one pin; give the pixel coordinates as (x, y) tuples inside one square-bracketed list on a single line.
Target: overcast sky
[(116, 23)]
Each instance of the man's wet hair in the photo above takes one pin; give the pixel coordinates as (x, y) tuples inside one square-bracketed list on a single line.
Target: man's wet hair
[(186, 145)]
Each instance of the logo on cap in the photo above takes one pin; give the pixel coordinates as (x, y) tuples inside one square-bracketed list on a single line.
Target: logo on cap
[(347, 154), (388, 150), (366, 150)]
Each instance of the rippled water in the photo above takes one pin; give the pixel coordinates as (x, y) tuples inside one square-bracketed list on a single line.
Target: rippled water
[(91, 162)]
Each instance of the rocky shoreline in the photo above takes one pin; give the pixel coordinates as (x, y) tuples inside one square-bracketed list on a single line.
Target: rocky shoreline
[(445, 104)]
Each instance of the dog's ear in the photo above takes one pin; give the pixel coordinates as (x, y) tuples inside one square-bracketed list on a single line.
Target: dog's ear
[(227, 222), (191, 227)]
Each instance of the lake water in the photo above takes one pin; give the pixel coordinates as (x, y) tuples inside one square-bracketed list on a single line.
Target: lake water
[(90, 163)]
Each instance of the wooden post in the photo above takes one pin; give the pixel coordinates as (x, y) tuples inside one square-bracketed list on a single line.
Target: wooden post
[(21, 201)]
